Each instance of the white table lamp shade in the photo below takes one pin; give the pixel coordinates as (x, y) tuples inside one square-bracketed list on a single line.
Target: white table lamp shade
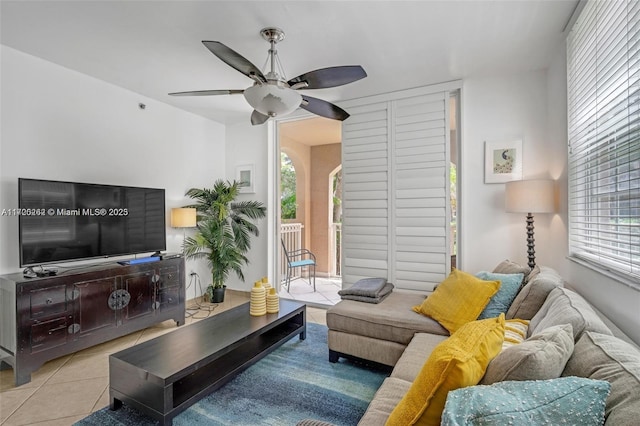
[(530, 196)]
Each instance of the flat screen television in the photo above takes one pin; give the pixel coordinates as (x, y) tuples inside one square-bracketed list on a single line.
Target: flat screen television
[(64, 221)]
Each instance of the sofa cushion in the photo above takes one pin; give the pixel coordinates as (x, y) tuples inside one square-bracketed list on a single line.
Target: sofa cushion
[(457, 300), (566, 400), (534, 293), (378, 350), (542, 356), (509, 267), (605, 357), (500, 302), (564, 306), (415, 355), (391, 320), (384, 401), (458, 361)]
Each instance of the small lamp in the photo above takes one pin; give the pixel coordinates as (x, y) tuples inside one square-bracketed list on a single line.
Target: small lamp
[(183, 217), (530, 196)]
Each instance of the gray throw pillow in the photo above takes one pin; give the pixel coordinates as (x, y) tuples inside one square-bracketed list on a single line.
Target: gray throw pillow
[(540, 357), (564, 306), (533, 295), (509, 267)]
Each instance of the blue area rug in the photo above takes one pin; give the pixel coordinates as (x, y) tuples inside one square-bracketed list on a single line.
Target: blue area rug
[(294, 382)]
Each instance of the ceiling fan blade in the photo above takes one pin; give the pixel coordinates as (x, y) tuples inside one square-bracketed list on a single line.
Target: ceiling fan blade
[(258, 118), (234, 59), (330, 77), (323, 108), (208, 93)]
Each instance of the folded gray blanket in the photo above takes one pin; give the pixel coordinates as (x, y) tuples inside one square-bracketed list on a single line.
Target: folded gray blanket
[(386, 290), (367, 287)]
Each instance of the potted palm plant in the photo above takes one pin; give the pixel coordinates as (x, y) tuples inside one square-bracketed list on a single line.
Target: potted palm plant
[(225, 227)]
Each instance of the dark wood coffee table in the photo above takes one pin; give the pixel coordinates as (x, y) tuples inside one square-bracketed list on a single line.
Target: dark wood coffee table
[(164, 376)]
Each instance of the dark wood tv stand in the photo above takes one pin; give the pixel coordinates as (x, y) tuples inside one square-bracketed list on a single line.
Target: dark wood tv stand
[(45, 318)]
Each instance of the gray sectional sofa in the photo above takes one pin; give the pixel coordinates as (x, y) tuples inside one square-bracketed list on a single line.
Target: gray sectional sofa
[(391, 333)]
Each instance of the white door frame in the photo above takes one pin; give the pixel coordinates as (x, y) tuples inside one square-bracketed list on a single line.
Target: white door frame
[(273, 194)]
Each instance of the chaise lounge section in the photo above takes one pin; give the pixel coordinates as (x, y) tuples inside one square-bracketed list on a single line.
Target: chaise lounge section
[(380, 332)]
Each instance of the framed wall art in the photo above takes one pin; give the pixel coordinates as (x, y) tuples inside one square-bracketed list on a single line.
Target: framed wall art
[(502, 161), (244, 174)]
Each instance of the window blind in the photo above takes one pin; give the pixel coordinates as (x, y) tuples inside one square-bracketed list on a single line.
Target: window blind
[(603, 88)]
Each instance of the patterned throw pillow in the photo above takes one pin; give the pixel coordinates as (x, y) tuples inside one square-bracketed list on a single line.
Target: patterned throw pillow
[(566, 400), (515, 331)]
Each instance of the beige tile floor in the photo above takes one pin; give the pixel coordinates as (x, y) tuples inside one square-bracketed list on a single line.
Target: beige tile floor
[(71, 387)]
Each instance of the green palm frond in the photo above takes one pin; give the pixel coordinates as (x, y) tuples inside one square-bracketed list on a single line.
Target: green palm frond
[(225, 228)]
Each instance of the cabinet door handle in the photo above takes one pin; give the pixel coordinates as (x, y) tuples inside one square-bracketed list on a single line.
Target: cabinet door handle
[(74, 294), (49, 301), (62, 327)]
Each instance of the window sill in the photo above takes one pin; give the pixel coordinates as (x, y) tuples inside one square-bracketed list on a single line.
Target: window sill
[(626, 280)]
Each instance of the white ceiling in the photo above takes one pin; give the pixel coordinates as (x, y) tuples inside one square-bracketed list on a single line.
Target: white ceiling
[(153, 48)]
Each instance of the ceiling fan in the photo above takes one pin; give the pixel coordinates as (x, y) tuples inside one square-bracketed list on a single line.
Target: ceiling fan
[(271, 94)]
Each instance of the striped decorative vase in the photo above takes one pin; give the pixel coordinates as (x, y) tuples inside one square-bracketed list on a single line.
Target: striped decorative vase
[(258, 303), (273, 301)]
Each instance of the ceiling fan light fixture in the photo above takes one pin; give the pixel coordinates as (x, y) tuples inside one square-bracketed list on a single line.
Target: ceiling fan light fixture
[(272, 95), (272, 100)]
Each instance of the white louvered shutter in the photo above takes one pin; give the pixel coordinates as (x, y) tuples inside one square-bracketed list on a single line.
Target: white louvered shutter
[(396, 191), (365, 193)]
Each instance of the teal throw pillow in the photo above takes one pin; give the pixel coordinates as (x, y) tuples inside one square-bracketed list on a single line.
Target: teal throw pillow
[(500, 302), (567, 400)]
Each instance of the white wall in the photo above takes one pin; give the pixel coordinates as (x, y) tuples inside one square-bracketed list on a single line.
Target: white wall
[(534, 106), (247, 144), (59, 124), (502, 108)]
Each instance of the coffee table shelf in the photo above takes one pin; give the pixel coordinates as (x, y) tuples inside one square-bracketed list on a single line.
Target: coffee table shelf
[(164, 376)]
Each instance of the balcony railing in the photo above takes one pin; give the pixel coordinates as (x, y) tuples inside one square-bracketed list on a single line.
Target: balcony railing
[(291, 234)]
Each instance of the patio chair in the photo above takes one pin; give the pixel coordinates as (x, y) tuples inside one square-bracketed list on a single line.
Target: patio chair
[(299, 259)]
